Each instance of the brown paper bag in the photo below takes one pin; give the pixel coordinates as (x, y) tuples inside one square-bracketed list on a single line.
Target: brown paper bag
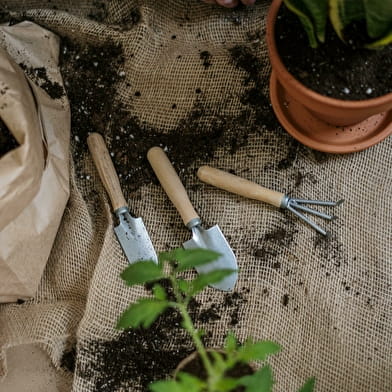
[(34, 177)]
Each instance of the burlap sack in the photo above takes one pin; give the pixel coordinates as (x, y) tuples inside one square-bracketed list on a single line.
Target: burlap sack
[(328, 303), (34, 178)]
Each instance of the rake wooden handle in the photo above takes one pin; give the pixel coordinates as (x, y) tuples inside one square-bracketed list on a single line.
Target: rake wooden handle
[(171, 183), (106, 170), (240, 186)]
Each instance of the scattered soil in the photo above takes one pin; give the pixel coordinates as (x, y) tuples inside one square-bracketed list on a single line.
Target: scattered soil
[(334, 69), (196, 368), (68, 359), (140, 356), (7, 140), (206, 57), (91, 75), (40, 77), (275, 241), (255, 96), (99, 11)]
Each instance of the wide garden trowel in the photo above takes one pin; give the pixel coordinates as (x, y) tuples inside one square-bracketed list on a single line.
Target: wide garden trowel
[(212, 238), (131, 232)]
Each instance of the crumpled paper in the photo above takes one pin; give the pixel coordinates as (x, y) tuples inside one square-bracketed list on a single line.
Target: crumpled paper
[(34, 177)]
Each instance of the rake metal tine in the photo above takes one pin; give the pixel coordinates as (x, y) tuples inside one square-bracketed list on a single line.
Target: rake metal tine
[(314, 212), (319, 202), (307, 220)]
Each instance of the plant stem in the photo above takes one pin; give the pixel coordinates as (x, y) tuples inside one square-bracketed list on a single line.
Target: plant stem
[(188, 325), (182, 304)]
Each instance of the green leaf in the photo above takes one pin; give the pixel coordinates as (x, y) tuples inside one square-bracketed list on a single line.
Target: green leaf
[(387, 40), (159, 292), (184, 383), (378, 18), (343, 12), (142, 313), (167, 386), (261, 381), (309, 385), (226, 384), (184, 285), (142, 272), (190, 382), (208, 278), (313, 16), (190, 258), (252, 351), (231, 343)]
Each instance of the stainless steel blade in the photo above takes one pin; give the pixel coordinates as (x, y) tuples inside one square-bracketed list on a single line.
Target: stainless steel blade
[(214, 239), (133, 237)]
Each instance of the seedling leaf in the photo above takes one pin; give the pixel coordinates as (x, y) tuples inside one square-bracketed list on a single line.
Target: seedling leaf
[(142, 313), (191, 258), (159, 292), (309, 385), (142, 272), (252, 351), (230, 343), (211, 277), (261, 381)]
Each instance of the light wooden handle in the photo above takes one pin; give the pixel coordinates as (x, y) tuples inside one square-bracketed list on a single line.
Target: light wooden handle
[(171, 183), (240, 186), (106, 170)]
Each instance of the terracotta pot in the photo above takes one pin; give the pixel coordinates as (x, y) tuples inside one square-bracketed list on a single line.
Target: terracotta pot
[(319, 112)]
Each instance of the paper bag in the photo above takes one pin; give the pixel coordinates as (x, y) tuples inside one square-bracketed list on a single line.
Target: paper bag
[(34, 177)]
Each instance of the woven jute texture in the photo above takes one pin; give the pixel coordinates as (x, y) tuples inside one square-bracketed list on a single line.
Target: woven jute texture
[(327, 302)]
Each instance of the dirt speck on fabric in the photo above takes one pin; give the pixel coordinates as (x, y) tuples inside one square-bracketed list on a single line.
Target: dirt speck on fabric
[(206, 56)]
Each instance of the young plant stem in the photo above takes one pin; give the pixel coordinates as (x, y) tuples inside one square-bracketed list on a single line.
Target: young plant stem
[(181, 305)]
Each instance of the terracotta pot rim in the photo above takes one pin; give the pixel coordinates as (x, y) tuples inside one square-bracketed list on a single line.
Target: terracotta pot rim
[(278, 65)]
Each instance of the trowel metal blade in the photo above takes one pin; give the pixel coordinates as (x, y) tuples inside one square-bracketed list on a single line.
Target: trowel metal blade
[(133, 238), (214, 239)]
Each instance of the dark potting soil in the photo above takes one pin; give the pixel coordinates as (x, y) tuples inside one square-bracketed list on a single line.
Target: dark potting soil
[(40, 77), (140, 356), (7, 140), (196, 368), (91, 74), (334, 69)]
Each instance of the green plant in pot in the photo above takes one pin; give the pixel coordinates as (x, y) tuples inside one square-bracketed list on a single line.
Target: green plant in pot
[(331, 81), (221, 370)]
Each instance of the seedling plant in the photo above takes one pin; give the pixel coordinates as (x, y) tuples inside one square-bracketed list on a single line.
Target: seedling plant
[(171, 267)]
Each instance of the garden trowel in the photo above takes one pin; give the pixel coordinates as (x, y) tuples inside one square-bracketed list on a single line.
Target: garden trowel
[(131, 232), (212, 238)]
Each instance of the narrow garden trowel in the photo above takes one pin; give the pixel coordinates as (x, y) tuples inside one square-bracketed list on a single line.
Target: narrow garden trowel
[(131, 232), (212, 238)]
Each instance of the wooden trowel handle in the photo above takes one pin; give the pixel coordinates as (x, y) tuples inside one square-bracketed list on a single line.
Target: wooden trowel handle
[(240, 186), (106, 170), (171, 183)]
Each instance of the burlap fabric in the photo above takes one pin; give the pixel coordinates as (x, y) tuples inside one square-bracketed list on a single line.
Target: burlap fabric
[(328, 303)]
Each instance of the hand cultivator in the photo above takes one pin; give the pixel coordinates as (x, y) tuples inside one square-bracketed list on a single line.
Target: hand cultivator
[(243, 187)]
